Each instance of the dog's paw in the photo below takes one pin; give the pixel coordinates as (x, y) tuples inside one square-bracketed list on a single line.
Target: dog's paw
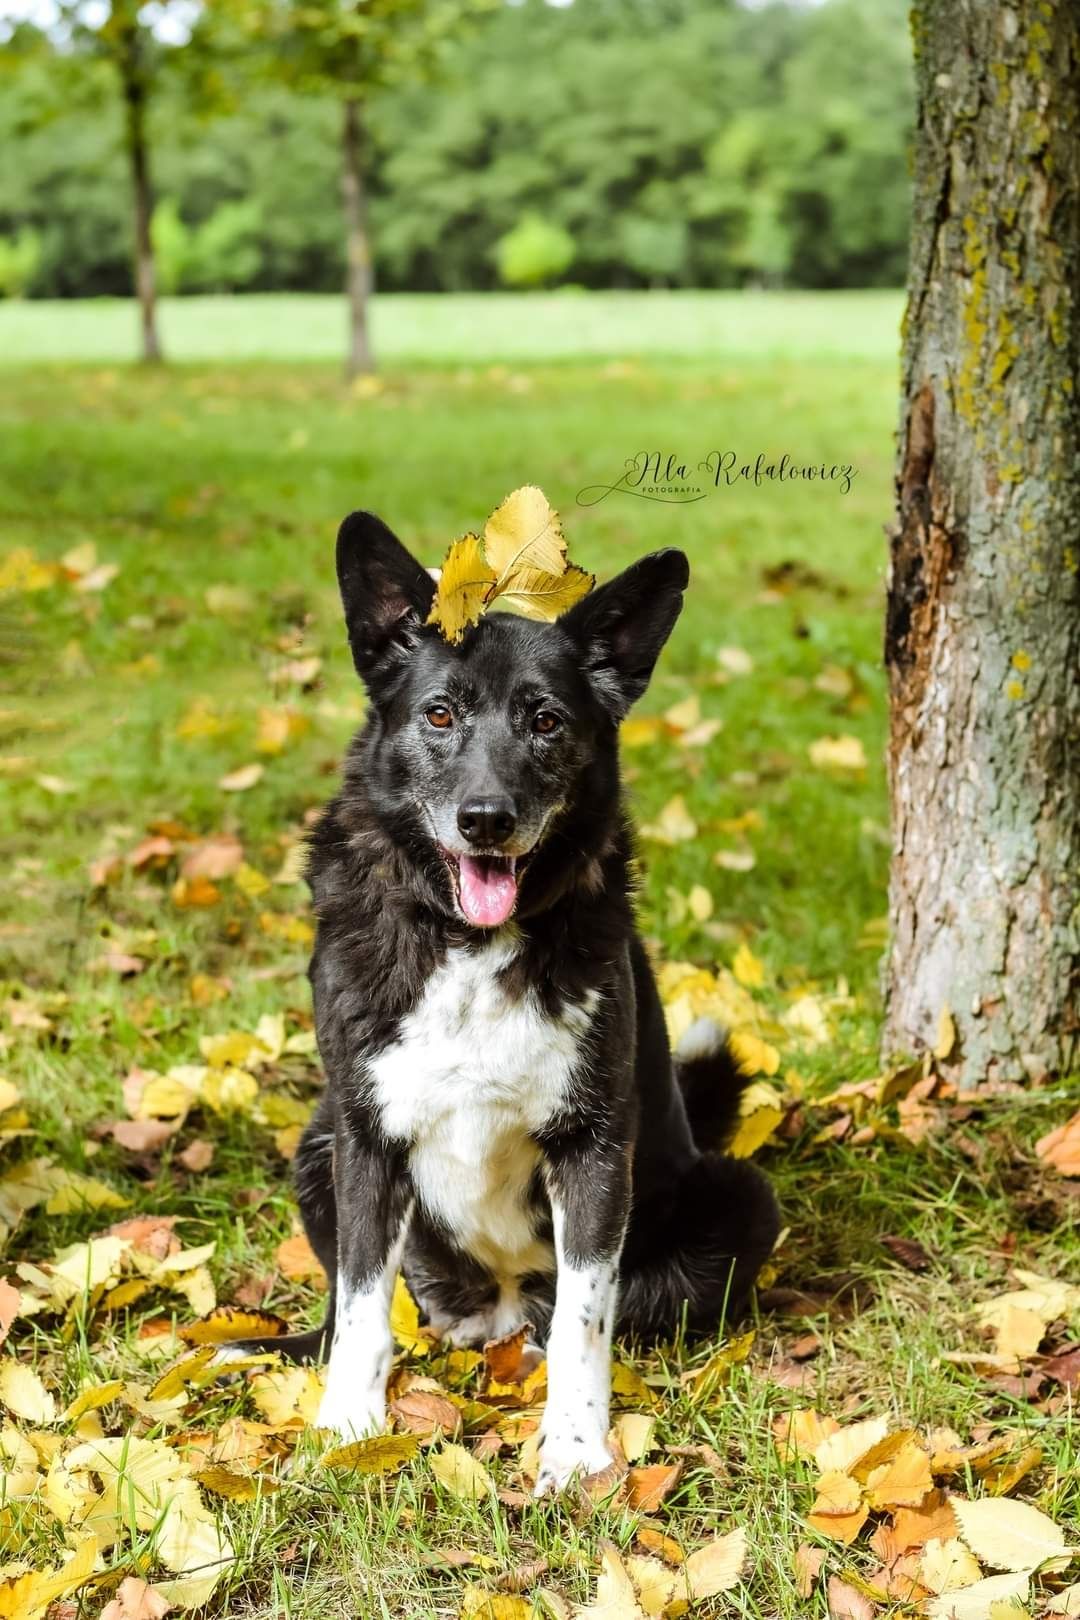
[(566, 1458), (352, 1418)]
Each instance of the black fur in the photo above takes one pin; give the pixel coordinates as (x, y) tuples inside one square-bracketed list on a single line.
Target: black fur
[(638, 1147)]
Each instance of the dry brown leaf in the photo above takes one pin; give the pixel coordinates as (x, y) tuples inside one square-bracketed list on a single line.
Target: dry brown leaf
[(197, 1156), (426, 1413), (136, 1599), (648, 1487), (948, 1461), (512, 1358), (845, 1603), (214, 858), (808, 1562), (908, 1252), (142, 1135), (914, 1527), (297, 1260), (1061, 1147)]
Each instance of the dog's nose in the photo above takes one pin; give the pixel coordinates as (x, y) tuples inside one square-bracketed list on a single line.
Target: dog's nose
[(487, 821)]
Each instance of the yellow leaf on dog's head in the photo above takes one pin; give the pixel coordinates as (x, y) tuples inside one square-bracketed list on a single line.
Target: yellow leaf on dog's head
[(538, 595), (464, 583), (525, 532)]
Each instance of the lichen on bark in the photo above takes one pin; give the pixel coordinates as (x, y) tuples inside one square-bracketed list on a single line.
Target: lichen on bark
[(983, 613)]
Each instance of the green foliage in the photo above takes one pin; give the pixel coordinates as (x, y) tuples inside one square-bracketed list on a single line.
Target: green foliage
[(534, 254), (172, 246), (20, 256), (695, 143)]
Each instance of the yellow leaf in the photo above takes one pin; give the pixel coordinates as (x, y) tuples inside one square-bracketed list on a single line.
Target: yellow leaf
[(459, 1472), (640, 730), (538, 595), (656, 1584), (844, 1447), (838, 754), (405, 1320), (717, 1566), (288, 1396), (379, 1454), (615, 1596), (945, 1566), (628, 1385), (77, 1193), (839, 1527), (902, 1482), (705, 1382), (26, 1597), (23, 1393), (1009, 1535), (243, 778), (674, 824), (752, 1054), (229, 1091), (700, 902), (476, 1604), (946, 1034), (799, 1434), (634, 1432), (525, 532), (838, 1495), (747, 968), (234, 1487), (465, 581), (685, 714), (90, 1399), (979, 1601)]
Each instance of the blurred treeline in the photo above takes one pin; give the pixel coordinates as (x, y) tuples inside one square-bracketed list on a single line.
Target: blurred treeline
[(607, 143)]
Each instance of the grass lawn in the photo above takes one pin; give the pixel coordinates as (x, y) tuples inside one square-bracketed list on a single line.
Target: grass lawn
[(214, 490)]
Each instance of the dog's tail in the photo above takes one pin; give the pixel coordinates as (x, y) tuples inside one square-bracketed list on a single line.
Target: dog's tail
[(711, 1083)]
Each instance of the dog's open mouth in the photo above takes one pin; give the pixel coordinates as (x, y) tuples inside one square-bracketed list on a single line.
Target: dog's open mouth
[(486, 886)]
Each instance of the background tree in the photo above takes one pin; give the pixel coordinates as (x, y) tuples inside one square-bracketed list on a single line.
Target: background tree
[(352, 51), (983, 629)]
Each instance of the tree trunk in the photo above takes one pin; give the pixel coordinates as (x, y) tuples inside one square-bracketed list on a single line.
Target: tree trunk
[(358, 276), (135, 98), (983, 621)]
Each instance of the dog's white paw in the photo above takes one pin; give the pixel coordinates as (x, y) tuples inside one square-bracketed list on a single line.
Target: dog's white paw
[(566, 1457), (351, 1416)]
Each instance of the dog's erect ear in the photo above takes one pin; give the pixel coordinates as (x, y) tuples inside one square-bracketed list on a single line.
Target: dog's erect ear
[(385, 592), (621, 626)]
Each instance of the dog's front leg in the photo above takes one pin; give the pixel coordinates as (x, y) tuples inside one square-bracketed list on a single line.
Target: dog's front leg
[(590, 1197), (372, 1213)]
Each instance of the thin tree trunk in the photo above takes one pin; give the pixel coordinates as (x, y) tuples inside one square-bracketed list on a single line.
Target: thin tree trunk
[(358, 273), (983, 622), (138, 156)]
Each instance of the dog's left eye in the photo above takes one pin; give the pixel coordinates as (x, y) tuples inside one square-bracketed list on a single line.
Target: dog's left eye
[(545, 722), (439, 716)]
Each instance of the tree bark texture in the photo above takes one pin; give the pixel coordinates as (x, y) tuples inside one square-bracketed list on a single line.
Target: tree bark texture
[(983, 618), (135, 104), (358, 272)]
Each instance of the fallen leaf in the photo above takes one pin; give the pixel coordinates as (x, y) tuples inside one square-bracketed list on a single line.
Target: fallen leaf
[(844, 1447), (808, 1562), (648, 1487), (24, 1394), (717, 1566), (476, 1604), (946, 1566), (838, 754), (799, 1434), (197, 1156), (9, 1306), (1007, 1534), (458, 1471), (379, 1454), (845, 1603), (1060, 1148), (908, 1252), (674, 824), (214, 858), (243, 778), (1065, 1602), (615, 1595), (136, 1600), (227, 1323), (634, 1433), (655, 1541), (297, 1260), (425, 1413), (977, 1602), (142, 1135)]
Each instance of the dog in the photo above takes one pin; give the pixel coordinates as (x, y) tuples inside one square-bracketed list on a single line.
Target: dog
[(503, 1120)]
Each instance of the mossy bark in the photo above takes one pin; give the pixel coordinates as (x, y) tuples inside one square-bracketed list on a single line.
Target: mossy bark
[(358, 270), (983, 621), (133, 78)]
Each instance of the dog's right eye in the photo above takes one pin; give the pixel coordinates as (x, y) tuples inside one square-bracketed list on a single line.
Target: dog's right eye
[(439, 716)]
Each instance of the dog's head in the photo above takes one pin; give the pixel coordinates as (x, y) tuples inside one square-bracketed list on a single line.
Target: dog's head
[(475, 755)]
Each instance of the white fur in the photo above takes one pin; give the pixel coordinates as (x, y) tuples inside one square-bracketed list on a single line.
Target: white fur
[(473, 1075), (703, 1039), (354, 1401), (579, 1370)]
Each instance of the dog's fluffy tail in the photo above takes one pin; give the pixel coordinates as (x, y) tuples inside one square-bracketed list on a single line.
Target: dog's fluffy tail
[(711, 1083)]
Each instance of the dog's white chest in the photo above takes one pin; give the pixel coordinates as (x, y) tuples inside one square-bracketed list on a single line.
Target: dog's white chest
[(474, 1074)]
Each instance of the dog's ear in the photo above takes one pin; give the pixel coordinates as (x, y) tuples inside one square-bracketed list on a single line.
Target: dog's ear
[(385, 592), (622, 626)]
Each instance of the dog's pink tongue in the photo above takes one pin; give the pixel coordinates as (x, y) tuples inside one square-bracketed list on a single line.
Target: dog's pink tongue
[(488, 890)]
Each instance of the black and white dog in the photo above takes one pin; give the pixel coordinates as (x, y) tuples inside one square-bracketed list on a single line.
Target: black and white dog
[(502, 1118)]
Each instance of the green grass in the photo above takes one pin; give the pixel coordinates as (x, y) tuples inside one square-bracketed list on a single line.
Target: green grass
[(416, 327), (223, 475)]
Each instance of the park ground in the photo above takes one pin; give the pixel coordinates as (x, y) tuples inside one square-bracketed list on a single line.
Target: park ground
[(179, 699)]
